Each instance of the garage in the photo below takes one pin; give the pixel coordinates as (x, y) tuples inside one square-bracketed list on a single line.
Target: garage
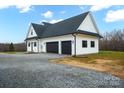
[(52, 47), (66, 47)]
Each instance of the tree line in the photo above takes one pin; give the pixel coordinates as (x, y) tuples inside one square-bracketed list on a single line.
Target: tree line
[(10, 47), (113, 41)]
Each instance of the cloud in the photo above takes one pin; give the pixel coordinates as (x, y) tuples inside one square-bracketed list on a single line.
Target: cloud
[(43, 21), (99, 7), (84, 8), (4, 6), (62, 12), (48, 14), (113, 16), (24, 9), (52, 21), (55, 21)]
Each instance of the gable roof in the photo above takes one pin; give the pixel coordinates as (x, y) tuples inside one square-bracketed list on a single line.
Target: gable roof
[(68, 26), (38, 29)]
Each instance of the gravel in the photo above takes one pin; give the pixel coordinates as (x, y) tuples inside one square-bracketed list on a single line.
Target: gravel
[(35, 70)]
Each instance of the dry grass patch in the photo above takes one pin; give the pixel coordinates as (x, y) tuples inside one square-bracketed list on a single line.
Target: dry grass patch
[(110, 62)]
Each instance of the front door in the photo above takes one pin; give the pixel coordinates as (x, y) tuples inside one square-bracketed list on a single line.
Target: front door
[(31, 46)]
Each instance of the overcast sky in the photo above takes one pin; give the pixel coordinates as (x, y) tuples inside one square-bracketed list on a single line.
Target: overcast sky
[(15, 20)]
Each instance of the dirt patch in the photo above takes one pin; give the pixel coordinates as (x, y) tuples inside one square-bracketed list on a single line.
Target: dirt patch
[(104, 65), (103, 61)]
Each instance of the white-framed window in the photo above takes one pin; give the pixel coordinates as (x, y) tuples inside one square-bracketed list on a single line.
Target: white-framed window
[(92, 44), (28, 44), (31, 32), (35, 44), (84, 43)]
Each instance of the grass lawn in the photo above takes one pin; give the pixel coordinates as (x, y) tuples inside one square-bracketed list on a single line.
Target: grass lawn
[(11, 52), (105, 61)]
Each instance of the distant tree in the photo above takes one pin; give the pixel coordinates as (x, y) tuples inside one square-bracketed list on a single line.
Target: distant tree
[(20, 47), (11, 47), (113, 40)]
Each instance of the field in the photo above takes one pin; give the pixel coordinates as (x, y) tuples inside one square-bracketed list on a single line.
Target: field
[(105, 61), (12, 52)]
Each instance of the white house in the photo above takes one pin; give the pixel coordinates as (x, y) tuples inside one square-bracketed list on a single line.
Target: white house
[(75, 36)]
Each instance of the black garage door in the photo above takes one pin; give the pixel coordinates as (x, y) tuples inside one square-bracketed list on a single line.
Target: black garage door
[(52, 47), (66, 47)]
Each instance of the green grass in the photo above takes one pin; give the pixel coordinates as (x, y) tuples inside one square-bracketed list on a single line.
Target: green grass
[(108, 61), (9, 52), (105, 54), (111, 55), (15, 52)]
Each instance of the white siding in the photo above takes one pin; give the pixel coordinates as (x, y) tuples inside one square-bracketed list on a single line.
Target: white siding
[(88, 25), (31, 30), (32, 48), (80, 50), (52, 39), (41, 44)]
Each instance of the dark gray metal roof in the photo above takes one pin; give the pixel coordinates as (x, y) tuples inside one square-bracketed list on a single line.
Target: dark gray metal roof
[(68, 26), (31, 38), (38, 29), (64, 27), (89, 33)]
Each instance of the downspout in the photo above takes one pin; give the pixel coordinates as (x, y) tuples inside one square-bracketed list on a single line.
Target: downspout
[(74, 45)]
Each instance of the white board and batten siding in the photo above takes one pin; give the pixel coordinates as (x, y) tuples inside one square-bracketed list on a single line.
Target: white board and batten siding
[(86, 50), (32, 33), (59, 39), (79, 38), (32, 48), (88, 25)]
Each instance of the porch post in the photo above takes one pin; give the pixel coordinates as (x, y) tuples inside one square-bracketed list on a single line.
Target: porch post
[(59, 47)]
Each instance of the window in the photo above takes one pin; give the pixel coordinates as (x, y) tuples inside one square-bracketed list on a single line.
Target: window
[(84, 43), (35, 44), (29, 44), (92, 44), (31, 32)]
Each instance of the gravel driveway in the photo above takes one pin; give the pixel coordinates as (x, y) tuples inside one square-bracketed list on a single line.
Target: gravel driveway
[(34, 70)]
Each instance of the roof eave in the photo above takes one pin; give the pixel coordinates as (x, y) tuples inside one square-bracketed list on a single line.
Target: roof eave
[(89, 33), (31, 38)]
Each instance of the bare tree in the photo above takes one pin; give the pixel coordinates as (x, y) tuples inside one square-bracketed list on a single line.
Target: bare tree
[(113, 40), (18, 47)]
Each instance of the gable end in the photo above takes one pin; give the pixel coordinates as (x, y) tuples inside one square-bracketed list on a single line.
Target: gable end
[(88, 24), (31, 32)]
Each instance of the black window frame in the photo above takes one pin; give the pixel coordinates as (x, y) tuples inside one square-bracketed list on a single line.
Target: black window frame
[(29, 44), (31, 32), (84, 44), (35, 44), (92, 44)]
